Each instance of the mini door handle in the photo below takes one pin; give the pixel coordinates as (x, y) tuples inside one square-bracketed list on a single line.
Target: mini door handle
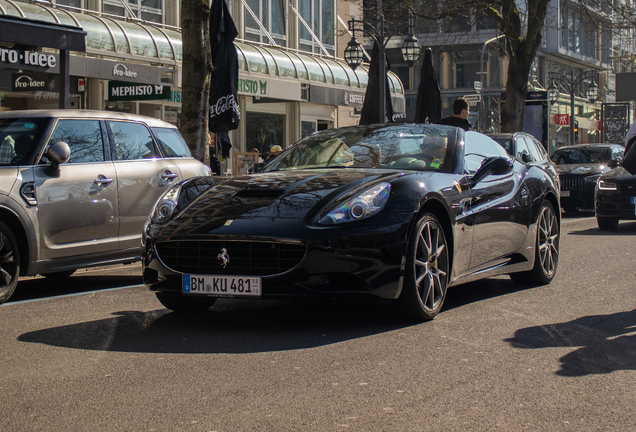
[(99, 181), (168, 176)]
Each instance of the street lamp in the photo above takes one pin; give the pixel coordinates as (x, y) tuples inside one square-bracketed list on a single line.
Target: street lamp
[(354, 53), (570, 84), (411, 48)]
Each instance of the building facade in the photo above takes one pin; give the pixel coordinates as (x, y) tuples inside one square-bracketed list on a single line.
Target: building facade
[(292, 79), (470, 59)]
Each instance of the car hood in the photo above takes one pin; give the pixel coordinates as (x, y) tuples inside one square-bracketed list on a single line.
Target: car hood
[(618, 173), (581, 169), (271, 198)]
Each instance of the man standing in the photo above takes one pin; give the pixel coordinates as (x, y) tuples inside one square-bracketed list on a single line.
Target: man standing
[(460, 117)]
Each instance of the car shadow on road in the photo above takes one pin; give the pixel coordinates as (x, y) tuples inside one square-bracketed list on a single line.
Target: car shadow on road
[(249, 326), (624, 228), (231, 326), (605, 343)]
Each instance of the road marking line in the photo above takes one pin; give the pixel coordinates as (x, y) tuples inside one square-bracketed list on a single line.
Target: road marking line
[(68, 295)]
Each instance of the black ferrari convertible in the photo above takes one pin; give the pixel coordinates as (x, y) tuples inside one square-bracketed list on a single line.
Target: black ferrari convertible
[(398, 212)]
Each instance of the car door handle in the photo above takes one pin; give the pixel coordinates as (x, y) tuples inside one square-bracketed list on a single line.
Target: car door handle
[(102, 179), (168, 176)]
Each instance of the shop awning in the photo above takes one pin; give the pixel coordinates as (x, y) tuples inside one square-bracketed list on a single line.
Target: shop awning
[(155, 43)]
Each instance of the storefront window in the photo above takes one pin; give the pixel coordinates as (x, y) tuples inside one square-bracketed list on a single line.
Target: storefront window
[(308, 127), (264, 130)]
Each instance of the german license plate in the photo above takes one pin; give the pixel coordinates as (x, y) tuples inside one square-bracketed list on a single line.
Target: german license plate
[(565, 193), (222, 285)]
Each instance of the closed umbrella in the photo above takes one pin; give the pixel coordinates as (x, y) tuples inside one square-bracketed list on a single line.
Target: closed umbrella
[(224, 109), (428, 106), (369, 114)]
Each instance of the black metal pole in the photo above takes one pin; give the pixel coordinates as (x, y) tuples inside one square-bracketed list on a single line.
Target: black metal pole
[(572, 119), (382, 72)]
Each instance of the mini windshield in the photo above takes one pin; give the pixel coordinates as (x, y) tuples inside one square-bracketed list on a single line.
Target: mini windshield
[(600, 155), (416, 147)]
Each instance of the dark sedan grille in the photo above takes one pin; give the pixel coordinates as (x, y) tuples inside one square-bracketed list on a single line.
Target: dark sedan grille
[(245, 258), (569, 182)]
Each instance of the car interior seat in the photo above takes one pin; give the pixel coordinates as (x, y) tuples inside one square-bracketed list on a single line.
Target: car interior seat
[(22, 144)]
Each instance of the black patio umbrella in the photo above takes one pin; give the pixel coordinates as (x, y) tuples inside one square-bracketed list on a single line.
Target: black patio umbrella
[(428, 106), (369, 114), (224, 109)]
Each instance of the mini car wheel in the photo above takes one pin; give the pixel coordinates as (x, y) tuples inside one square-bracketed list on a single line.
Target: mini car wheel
[(607, 224), (9, 263), (180, 303), (546, 250), (426, 274)]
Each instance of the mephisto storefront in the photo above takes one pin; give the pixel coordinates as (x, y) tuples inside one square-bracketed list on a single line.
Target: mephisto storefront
[(136, 67)]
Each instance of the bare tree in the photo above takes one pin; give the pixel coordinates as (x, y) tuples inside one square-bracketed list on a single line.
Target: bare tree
[(522, 29), (197, 69)]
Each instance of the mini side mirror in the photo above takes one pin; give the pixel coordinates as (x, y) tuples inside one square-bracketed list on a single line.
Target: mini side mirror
[(58, 154), (613, 163)]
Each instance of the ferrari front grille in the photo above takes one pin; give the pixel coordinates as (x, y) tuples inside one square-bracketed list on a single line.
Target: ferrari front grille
[(241, 258)]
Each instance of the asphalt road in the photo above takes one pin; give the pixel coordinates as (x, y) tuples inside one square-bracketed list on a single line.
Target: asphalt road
[(88, 355)]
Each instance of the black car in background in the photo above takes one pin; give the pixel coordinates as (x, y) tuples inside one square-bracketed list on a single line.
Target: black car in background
[(397, 212), (614, 197), (580, 167), (525, 148)]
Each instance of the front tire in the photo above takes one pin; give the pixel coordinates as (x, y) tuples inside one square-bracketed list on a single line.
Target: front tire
[(546, 250), (9, 263), (426, 273), (180, 303), (607, 224)]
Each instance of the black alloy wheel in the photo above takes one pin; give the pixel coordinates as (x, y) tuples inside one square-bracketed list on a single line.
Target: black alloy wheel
[(546, 250), (426, 273), (9, 263)]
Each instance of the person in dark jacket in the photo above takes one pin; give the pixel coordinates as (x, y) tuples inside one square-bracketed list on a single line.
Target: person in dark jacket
[(461, 109)]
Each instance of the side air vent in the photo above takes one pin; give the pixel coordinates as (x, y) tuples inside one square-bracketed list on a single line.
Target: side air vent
[(27, 192)]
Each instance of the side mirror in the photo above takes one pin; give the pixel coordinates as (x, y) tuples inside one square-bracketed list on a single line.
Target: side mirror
[(492, 166), (613, 163), (525, 157), (58, 154)]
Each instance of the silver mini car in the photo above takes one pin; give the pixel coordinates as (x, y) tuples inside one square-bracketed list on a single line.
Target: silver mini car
[(76, 188)]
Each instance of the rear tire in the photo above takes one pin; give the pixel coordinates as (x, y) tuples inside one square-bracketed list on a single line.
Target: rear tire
[(426, 271), (9, 263), (180, 303), (607, 224), (546, 250)]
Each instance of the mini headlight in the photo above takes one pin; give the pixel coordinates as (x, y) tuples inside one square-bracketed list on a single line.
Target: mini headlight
[(607, 185), (166, 205), (362, 206)]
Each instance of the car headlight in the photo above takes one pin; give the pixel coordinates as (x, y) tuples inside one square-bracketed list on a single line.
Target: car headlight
[(362, 206), (166, 205), (607, 185), (592, 179)]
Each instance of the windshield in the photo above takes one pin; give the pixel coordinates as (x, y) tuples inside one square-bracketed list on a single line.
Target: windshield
[(416, 147), (582, 156), (506, 143)]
